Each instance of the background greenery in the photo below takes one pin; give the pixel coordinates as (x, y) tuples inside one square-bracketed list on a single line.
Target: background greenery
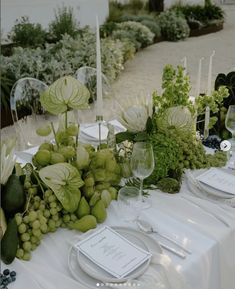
[(64, 47)]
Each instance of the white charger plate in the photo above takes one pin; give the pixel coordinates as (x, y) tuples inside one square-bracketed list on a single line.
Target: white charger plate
[(212, 190), (93, 270), (79, 274)]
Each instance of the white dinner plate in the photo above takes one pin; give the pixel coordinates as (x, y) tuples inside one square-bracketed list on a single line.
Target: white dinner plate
[(206, 188), (79, 274), (93, 270)]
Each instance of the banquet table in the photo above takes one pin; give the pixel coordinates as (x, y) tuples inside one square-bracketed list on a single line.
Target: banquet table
[(211, 264)]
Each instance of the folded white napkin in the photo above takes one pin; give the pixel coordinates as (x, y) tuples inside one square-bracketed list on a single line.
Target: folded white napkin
[(92, 130)]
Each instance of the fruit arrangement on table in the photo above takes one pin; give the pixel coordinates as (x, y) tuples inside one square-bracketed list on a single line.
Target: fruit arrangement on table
[(70, 184)]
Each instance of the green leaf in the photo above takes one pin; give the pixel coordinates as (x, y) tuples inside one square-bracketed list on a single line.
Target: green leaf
[(141, 136), (149, 125), (64, 180), (126, 135)]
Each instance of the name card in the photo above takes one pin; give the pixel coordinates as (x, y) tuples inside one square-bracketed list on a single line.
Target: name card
[(218, 179), (113, 252)]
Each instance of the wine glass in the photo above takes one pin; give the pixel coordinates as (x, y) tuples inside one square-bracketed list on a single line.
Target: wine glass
[(142, 164), (129, 203), (230, 123)]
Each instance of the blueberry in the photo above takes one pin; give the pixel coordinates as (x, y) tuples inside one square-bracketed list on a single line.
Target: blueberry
[(6, 272), (9, 280), (13, 273), (13, 279)]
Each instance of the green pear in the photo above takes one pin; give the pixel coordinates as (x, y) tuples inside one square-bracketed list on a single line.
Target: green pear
[(99, 211), (84, 224), (89, 181), (88, 191), (102, 186), (83, 208), (94, 199), (113, 193), (106, 198)]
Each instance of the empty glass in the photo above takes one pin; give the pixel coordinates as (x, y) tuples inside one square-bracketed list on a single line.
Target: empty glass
[(230, 124), (129, 203), (142, 164)]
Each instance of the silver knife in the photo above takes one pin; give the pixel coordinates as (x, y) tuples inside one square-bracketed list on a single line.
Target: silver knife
[(172, 250)]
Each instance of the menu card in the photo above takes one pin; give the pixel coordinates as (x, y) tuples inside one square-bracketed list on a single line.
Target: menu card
[(218, 179), (113, 252)]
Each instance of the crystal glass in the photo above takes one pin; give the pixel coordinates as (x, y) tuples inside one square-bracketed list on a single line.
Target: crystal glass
[(129, 203), (230, 124), (142, 164)]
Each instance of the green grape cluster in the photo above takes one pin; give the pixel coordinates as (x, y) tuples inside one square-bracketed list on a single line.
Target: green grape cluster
[(175, 151), (43, 215), (44, 212)]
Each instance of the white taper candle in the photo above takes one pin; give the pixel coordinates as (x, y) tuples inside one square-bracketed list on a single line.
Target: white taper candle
[(99, 106), (210, 74), (199, 75), (207, 120)]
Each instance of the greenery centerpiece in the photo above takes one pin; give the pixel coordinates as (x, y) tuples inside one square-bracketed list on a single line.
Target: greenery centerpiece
[(168, 121), (70, 184)]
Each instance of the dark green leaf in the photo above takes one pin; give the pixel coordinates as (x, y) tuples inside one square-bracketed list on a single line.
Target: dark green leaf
[(126, 135), (149, 125), (141, 136)]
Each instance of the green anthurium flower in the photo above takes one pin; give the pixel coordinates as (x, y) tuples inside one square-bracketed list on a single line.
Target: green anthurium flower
[(64, 94), (64, 180), (8, 161)]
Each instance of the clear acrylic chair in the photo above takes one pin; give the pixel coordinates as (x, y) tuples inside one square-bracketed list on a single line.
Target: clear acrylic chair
[(27, 112), (87, 76)]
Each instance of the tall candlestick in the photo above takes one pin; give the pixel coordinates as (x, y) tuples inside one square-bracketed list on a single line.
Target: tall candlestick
[(210, 74), (99, 106), (199, 74), (207, 120), (184, 60)]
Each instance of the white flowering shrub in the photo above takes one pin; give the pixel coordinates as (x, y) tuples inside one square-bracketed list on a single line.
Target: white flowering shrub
[(173, 25), (64, 58), (140, 32)]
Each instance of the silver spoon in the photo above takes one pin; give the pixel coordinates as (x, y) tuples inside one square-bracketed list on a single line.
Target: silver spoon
[(147, 228)]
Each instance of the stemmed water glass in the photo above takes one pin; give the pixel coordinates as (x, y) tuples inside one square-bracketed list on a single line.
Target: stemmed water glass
[(142, 165), (230, 123)]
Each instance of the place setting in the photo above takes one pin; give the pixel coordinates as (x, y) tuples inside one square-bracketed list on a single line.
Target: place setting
[(123, 257)]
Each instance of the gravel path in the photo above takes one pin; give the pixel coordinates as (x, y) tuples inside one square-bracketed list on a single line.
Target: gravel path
[(143, 74)]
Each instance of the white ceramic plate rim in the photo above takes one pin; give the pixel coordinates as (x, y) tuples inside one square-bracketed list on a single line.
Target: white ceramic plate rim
[(90, 282), (96, 272)]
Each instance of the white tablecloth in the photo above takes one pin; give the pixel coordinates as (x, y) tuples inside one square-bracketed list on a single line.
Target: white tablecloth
[(210, 266)]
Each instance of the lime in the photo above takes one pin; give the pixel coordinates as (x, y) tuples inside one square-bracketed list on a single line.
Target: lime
[(67, 151), (46, 146), (42, 157), (44, 130), (57, 158), (72, 130)]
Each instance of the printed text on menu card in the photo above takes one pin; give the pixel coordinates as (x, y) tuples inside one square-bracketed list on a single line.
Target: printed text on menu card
[(112, 252), (219, 179)]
